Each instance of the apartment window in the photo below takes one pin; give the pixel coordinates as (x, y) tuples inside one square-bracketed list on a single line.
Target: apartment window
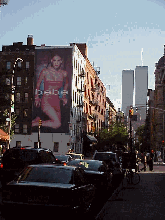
[(27, 64), (8, 81), (16, 128), (8, 65), (18, 143), (18, 97), (19, 64), (73, 95), (25, 129), (18, 81), (56, 147), (76, 81), (25, 113), (17, 111), (26, 80), (26, 97)]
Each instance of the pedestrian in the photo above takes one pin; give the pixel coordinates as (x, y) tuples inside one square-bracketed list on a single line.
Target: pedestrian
[(151, 157)]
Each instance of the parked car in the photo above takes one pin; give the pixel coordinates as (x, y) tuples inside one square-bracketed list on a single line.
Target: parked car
[(61, 189), (96, 172), (112, 161), (15, 159), (76, 156), (64, 158)]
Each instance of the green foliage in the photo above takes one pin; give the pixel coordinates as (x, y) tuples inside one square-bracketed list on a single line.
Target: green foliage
[(116, 134), (6, 128)]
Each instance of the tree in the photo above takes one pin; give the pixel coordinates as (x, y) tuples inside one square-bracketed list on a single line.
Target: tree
[(116, 135), (142, 134), (5, 127), (120, 135)]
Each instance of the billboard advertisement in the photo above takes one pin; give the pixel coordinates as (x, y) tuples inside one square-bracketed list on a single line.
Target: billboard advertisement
[(52, 89)]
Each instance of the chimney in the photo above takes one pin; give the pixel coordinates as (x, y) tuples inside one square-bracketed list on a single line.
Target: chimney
[(30, 40)]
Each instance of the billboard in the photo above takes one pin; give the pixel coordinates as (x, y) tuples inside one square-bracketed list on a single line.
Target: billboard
[(52, 89)]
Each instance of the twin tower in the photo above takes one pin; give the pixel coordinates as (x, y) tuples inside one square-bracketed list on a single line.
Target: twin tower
[(134, 90)]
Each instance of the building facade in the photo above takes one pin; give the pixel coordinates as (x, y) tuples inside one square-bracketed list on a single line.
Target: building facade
[(127, 90), (141, 89), (158, 122), (80, 102)]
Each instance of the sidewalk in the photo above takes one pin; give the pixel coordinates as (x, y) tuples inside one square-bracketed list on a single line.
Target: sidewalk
[(145, 200)]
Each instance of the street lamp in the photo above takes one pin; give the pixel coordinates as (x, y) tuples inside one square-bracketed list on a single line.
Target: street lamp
[(12, 96)]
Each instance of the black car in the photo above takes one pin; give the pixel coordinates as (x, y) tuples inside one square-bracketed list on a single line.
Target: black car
[(15, 159), (112, 161), (59, 188), (64, 158), (96, 172)]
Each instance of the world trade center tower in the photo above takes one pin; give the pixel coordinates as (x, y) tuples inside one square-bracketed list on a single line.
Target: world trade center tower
[(127, 90), (141, 88)]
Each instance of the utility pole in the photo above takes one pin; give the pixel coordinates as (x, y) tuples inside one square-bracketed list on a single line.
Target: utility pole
[(130, 117), (39, 125)]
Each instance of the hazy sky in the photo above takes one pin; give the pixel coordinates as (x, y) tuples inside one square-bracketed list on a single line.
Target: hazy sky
[(114, 31)]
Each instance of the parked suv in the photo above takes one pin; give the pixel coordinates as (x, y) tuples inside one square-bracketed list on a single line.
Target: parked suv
[(15, 159), (113, 164)]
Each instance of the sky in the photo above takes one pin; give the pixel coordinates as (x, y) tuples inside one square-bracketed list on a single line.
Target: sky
[(115, 32)]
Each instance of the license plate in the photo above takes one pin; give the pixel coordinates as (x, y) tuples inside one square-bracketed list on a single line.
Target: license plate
[(38, 199)]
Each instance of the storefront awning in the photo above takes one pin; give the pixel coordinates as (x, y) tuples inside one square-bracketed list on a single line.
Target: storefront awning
[(91, 138), (3, 136)]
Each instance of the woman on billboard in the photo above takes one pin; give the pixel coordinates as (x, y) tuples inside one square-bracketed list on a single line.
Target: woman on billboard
[(55, 89)]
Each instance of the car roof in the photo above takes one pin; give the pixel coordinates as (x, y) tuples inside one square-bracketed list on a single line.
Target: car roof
[(108, 152), (29, 148), (53, 165), (73, 154)]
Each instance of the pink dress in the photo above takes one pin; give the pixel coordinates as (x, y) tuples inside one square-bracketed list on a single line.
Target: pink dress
[(51, 94)]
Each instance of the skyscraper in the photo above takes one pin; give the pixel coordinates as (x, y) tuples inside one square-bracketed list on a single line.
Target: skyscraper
[(127, 90), (141, 88)]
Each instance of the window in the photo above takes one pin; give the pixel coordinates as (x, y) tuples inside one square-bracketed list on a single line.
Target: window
[(56, 147), (27, 65), (25, 113), (73, 95), (26, 80), (26, 97), (8, 81), (17, 128), (25, 129), (19, 64), (18, 143), (17, 111), (8, 65), (18, 97), (18, 81)]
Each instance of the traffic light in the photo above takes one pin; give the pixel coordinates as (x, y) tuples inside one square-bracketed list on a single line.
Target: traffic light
[(40, 122), (130, 112)]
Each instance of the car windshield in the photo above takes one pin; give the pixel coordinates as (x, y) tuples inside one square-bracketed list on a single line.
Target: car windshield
[(47, 174), (86, 165), (61, 157), (104, 156)]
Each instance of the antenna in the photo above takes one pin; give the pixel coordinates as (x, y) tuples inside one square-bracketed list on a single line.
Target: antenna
[(142, 56)]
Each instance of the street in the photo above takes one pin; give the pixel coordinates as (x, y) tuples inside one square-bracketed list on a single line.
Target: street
[(142, 201)]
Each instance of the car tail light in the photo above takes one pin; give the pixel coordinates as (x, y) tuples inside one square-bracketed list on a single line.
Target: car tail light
[(64, 164), (22, 148), (1, 165)]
